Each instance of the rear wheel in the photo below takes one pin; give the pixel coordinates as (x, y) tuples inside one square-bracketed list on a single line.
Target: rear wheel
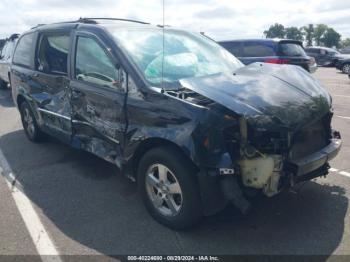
[(168, 188), (346, 69), (29, 123)]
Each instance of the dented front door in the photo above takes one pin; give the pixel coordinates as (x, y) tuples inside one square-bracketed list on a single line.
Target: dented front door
[(97, 100)]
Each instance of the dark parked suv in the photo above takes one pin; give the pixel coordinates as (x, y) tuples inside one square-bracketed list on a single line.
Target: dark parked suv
[(343, 65), (191, 125), (273, 51), (5, 60), (325, 56)]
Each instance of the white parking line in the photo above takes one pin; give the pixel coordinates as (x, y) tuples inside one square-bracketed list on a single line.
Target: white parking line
[(40, 237), (344, 117), (342, 96), (343, 173)]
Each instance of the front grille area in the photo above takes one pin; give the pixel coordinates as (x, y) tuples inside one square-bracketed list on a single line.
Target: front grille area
[(269, 142), (311, 139)]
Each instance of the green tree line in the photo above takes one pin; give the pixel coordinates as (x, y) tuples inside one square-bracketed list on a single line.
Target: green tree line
[(319, 34)]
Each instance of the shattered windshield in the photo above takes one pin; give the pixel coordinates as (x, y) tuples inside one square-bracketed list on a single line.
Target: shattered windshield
[(185, 54)]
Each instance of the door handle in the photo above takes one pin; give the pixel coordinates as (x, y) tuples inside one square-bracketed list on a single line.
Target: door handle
[(90, 110)]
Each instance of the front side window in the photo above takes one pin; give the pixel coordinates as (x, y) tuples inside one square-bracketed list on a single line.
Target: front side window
[(312, 50), (23, 52), (185, 54), (258, 50), (333, 53), (93, 65), (52, 54), (323, 52)]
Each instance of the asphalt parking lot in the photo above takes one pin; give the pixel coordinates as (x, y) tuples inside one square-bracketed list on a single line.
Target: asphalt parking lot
[(87, 207)]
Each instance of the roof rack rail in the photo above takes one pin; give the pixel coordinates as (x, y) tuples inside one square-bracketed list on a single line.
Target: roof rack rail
[(92, 20)]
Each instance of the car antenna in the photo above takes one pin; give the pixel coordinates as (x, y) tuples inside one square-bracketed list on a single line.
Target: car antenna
[(163, 38)]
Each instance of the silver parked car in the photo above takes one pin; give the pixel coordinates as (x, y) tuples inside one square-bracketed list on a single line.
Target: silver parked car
[(5, 60)]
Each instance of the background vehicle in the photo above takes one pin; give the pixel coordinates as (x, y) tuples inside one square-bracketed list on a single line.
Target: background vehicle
[(274, 51), (343, 65), (5, 60), (345, 50), (325, 56), (190, 124)]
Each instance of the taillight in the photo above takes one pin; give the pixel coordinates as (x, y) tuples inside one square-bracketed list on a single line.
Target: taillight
[(276, 61)]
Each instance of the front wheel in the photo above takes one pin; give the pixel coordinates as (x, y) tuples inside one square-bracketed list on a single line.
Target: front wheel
[(346, 69), (29, 123), (169, 188)]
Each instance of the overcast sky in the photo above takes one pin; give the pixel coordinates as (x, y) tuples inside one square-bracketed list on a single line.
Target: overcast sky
[(220, 19)]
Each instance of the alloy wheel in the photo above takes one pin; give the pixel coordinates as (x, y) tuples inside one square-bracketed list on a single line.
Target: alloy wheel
[(346, 68), (164, 190), (29, 122)]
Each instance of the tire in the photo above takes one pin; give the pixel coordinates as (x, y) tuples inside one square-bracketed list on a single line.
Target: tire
[(3, 84), (29, 123), (346, 69), (166, 176)]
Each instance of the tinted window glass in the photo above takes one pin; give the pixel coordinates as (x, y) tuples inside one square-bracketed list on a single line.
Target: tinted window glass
[(257, 50), (312, 50), (23, 51), (93, 64), (233, 47), (4, 51), (53, 53), (9, 51), (332, 53), (290, 49)]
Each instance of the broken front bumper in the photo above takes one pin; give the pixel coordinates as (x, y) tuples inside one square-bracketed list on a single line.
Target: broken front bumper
[(316, 160)]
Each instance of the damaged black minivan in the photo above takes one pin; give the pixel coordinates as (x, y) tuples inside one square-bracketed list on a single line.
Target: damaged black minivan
[(175, 112)]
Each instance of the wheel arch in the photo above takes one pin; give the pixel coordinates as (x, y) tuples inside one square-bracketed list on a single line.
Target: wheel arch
[(20, 99), (155, 142)]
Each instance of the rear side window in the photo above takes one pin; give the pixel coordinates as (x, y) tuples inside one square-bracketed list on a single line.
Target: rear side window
[(52, 53), (23, 53), (257, 50), (312, 50), (233, 47), (9, 50), (93, 65), (291, 49)]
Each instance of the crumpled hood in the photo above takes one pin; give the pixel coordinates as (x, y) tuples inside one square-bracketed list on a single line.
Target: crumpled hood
[(286, 95)]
